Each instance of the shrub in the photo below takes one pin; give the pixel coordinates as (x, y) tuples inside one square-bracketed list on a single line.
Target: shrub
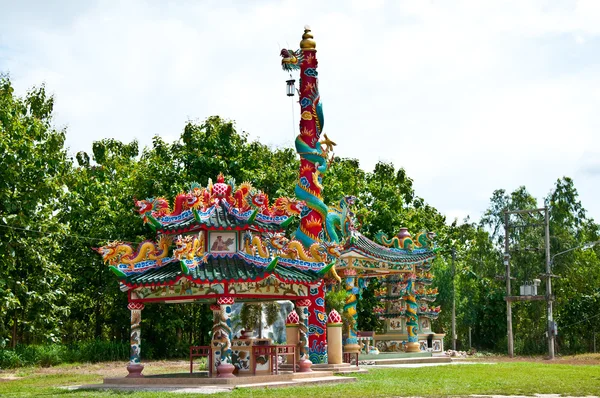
[(10, 359)]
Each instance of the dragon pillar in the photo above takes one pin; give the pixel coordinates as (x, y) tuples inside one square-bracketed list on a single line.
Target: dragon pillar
[(221, 337), (313, 159), (302, 307), (135, 367), (351, 340), (412, 320)]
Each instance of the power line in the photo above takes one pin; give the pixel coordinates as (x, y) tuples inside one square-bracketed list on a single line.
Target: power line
[(585, 320)]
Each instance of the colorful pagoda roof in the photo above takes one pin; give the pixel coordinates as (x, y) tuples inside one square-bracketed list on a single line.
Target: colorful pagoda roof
[(219, 269), (221, 217), (361, 247), (219, 206)]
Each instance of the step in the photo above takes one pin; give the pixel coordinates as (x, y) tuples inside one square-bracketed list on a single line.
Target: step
[(300, 382), (187, 380), (338, 368), (406, 361)]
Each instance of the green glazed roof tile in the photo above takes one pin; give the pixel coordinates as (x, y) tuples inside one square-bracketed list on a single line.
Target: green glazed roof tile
[(222, 219), (360, 243), (220, 269)]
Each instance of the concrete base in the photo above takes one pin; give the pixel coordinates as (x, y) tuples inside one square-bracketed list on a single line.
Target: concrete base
[(225, 370), (412, 347), (195, 380), (135, 371), (351, 348), (304, 365), (212, 388)]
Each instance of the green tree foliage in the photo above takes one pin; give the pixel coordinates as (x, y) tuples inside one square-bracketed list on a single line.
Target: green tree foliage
[(33, 164), (53, 210), (367, 319)]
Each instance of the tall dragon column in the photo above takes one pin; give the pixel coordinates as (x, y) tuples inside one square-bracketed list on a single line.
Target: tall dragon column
[(412, 319), (313, 159), (313, 163), (221, 336), (135, 367), (351, 340), (302, 307)]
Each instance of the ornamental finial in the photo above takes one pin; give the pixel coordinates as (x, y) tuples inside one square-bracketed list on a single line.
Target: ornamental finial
[(307, 42)]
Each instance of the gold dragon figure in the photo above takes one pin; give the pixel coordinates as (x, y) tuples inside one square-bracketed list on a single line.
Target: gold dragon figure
[(189, 246), (294, 249), (254, 245), (117, 252)]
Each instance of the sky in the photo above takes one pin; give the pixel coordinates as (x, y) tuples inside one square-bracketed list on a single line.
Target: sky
[(466, 96)]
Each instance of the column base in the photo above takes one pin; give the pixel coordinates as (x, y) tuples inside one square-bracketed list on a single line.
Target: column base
[(135, 370), (304, 365), (225, 370), (351, 348), (413, 347)]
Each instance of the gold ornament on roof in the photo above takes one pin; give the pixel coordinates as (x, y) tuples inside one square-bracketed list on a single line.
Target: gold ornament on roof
[(307, 42)]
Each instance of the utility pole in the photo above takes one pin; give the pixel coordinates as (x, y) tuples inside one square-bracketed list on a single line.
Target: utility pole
[(453, 301), (470, 337), (549, 287), (509, 328)]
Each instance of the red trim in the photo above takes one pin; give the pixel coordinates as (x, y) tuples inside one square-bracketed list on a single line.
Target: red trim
[(202, 227), (210, 296), (225, 282)]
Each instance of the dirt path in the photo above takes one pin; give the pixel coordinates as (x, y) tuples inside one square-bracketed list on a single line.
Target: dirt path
[(583, 359)]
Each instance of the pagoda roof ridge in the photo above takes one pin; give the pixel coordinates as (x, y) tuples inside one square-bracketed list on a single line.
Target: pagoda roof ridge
[(358, 244), (215, 269), (219, 206)]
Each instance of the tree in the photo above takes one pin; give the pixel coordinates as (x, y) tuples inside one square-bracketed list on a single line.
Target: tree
[(33, 163)]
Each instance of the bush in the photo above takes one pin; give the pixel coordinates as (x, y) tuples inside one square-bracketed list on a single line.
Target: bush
[(51, 355), (54, 354), (10, 359)]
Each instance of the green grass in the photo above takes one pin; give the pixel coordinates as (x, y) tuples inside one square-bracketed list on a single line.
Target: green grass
[(503, 378)]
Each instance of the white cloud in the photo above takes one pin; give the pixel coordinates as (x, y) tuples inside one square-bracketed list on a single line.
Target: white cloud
[(468, 96)]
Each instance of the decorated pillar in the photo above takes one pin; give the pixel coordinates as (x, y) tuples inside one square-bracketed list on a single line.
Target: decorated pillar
[(412, 319), (135, 338), (351, 340), (221, 337), (334, 338), (291, 332), (317, 320), (313, 159), (215, 345), (302, 306)]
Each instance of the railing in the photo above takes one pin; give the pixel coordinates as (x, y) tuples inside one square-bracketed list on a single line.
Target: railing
[(347, 357), (201, 351), (273, 352)]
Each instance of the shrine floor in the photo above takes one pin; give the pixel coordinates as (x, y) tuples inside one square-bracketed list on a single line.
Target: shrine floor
[(177, 381)]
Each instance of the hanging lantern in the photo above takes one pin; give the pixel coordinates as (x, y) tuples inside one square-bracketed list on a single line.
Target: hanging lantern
[(290, 88)]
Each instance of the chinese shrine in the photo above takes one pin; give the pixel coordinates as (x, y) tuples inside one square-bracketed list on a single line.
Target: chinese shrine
[(225, 243)]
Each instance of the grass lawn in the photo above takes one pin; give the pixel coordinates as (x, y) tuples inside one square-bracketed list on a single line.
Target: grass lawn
[(510, 378)]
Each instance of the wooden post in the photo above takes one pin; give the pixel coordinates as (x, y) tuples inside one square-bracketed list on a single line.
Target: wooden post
[(509, 328), (549, 287)]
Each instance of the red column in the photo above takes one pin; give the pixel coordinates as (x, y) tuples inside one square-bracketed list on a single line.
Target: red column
[(317, 325)]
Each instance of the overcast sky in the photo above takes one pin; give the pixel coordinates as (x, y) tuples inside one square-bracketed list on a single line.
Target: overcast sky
[(467, 96)]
